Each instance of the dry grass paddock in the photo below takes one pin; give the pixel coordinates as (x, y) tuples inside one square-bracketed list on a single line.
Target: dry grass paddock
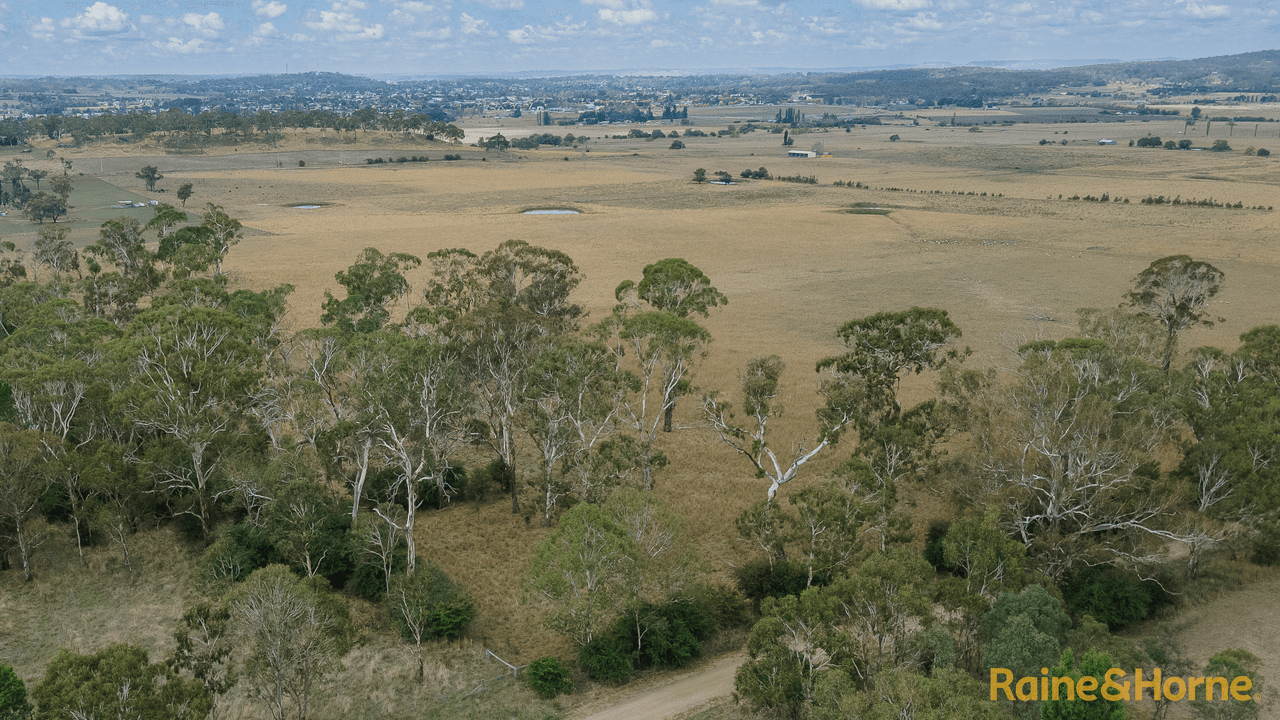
[(794, 263)]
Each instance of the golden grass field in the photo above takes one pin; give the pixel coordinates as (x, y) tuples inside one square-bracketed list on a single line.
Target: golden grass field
[(795, 266)]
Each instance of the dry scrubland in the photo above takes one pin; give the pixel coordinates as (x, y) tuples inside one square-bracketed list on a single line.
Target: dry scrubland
[(1012, 264)]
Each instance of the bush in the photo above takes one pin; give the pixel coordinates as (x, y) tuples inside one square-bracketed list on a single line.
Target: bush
[(758, 579), (1266, 546), (447, 608), (451, 618), (606, 660), (724, 606), (1263, 152), (1220, 146), (13, 695), (549, 678), (933, 545), (1151, 142), (367, 582), (663, 636), (302, 163), (676, 145), (238, 551), (1110, 597)]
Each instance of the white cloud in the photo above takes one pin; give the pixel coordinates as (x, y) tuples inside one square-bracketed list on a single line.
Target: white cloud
[(44, 29), (178, 45), (341, 22), (624, 12), (266, 30), (638, 16), (415, 8), (270, 10), (97, 20), (1196, 10), (924, 21), (207, 25), (474, 26), (894, 5), (530, 34), (501, 4)]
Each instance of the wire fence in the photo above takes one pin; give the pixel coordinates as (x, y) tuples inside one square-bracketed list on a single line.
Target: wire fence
[(513, 672)]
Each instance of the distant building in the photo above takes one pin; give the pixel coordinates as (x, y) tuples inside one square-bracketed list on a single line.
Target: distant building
[(1105, 141), (801, 153)]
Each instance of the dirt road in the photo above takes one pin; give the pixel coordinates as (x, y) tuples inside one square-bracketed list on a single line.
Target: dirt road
[(675, 696)]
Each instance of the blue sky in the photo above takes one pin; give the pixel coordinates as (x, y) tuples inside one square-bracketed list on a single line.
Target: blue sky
[(425, 37)]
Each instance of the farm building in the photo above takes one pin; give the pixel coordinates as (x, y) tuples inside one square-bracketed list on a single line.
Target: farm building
[(1105, 141), (801, 153)]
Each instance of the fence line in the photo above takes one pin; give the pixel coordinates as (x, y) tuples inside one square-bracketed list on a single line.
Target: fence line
[(514, 673)]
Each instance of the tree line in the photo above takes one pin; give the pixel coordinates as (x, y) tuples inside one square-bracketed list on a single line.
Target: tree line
[(140, 389), (176, 125)]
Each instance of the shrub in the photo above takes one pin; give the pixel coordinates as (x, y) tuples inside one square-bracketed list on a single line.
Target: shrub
[(302, 163), (1150, 141), (448, 608), (758, 579), (606, 659), (549, 678), (1110, 597), (238, 551), (1263, 152), (367, 582), (1220, 146), (1266, 546), (676, 145), (13, 695), (933, 545), (724, 606), (663, 636)]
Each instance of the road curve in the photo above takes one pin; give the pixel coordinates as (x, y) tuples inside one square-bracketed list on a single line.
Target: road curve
[(678, 695)]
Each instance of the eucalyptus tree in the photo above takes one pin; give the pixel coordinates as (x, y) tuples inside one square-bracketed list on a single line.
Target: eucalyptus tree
[(115, 295), (192, 370), (1068, 452), (24, 478), (663, 349), (759, 395), (224, 233), (575, 397), (53, 250), (602, 561), (373, 284), (1174, 291), (498, 346), (150, 175), (337, 404), (893, 443), (676, 286), (501, 309), (58, 369)]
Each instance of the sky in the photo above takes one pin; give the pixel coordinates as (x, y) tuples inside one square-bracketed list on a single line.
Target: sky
[(442, 37)]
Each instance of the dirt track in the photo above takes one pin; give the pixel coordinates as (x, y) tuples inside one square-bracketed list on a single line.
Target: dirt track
[(672, 697)]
